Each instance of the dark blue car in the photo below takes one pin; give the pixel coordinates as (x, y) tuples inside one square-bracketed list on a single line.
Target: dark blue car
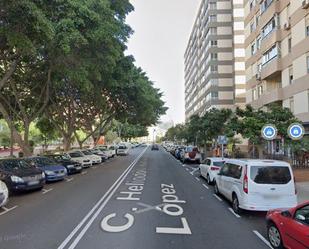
[(53, 171)]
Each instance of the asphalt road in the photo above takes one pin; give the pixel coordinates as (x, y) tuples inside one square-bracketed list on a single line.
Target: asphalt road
[(146, 200)]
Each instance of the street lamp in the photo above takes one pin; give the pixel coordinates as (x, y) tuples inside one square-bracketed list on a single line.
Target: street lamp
[(153, 136)]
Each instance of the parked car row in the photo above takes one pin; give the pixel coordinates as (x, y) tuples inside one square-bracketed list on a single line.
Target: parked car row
[(262, 185), (185, 153), (32, 173)]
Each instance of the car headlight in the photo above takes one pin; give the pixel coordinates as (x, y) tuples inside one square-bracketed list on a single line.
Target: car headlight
[(17, 179), (65, 171), (49, 172), (70, 166)]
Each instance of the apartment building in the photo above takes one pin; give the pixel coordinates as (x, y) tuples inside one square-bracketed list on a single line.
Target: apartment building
[(215, 58), (277, 54)]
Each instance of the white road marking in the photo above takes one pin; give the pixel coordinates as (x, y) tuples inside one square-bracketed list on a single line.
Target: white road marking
[(94, 167), (45, 191), (98, 206), (6, 210), (262, 238), (187, 169), (183, 165), (149, 207), (69, 179), (217, 197), (192, 172), (170, 230), (205, 186), (197, 179), (84, 172), (232, 211)]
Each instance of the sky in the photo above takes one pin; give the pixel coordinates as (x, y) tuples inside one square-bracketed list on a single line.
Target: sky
[(161, 32)]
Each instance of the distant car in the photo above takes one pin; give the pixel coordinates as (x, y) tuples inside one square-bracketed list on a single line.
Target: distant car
[(53, 170), (257, 185), (154, 147), (18, 175), (104, 148), (4, 194), (112, 150), (94, 158), (122, 150), (210, 167), (191, 154), (289, 228), (71, 166), (79, 157)]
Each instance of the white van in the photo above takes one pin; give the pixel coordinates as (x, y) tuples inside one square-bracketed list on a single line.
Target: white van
[(257, 185)]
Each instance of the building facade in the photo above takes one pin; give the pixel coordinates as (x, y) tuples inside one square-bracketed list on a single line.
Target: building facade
[(277, 54), (215, 58)]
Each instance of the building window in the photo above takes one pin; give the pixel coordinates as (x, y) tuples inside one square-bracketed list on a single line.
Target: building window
[(307, 64), (260, 91), (213, 18), (291, 75), (214, 43), (269, 27), (214, 82), (213, 30), (307, 30), (259, 67), (214, 68), (292, 104), (270, 54), (212, 6), (290, 44), (258, 42), (214, 56), (254, 97), (214, 95), (252, 27), (253, 49), (265, 4)]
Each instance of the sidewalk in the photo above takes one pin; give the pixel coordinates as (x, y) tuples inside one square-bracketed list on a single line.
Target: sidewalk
[(302, 183)]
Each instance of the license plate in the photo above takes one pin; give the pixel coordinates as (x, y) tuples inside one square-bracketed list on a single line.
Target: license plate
[(271, 197), (33, 183), (78, 168)]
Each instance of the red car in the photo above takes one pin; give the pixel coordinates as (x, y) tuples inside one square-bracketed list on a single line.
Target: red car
[(289, 228)]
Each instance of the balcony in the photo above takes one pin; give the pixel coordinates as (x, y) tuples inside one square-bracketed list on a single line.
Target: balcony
[(272, 69), (268, 97)]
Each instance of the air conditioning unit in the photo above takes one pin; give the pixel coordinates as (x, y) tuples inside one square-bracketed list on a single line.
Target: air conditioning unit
[(287, 26), (305, 4), (258, 76)]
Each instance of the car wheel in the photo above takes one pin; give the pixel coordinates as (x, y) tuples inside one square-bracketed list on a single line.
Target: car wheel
[(235, 204), (208, 179), (217, 192), (274, 236)]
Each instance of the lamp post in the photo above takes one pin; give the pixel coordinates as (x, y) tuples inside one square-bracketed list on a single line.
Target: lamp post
[(153, 136)]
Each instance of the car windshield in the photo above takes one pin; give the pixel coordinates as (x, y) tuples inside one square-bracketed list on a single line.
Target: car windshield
[(270, 174), (15, 164), (87, 153), (45, 160), (218, 163), (76, 154), (122, 147)]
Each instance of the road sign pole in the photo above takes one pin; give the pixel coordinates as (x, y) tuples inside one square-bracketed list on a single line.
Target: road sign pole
[(222, 151)]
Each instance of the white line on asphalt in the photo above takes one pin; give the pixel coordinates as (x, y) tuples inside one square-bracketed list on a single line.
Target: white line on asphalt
[(205, 186), (183, 165), (187, 169), (262, 238), (69, 179), (104, 199), (94, 167), (197, 179), (6, 210), (218, 198), (84, 172), (232, 211), (45, 191), (192, 172)]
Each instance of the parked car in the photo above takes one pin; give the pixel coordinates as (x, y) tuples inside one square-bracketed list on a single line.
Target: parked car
[(122, 150), (191, 154), (106, 150), (99, 153), (154, 147), (71, 166), (94, 158), (53, 170), (258, 185), (210, 167), (289, 228), (178, 152), (79, 157), (112, 150), (18, 175), (4, 194)]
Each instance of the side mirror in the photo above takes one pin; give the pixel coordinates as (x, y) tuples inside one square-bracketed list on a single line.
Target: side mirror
[(300, 217), (286, 214)]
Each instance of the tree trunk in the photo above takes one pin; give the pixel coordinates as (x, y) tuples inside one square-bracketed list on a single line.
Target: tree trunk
[(66, 142)]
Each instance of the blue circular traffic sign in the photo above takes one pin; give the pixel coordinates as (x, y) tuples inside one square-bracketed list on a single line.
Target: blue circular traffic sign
[(269, 132), (296, 131)]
